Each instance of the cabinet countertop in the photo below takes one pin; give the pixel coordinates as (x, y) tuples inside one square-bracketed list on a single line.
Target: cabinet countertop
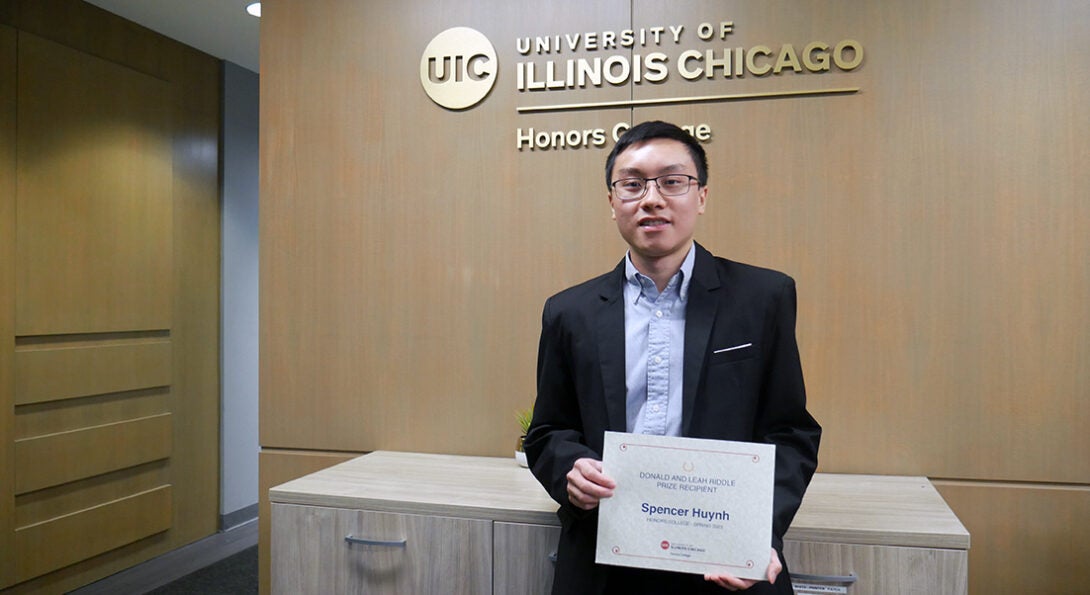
[(856, 509)]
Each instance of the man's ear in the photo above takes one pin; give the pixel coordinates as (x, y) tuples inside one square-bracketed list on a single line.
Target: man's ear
[(703, 198), (612, 213)]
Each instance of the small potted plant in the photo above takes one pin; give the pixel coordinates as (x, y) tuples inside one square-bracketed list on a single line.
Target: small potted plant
[(523, 417)]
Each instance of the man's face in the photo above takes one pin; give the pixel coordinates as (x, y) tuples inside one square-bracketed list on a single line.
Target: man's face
[(657, 226)]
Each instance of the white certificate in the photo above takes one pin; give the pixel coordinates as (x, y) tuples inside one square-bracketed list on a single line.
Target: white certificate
[(687, 505)]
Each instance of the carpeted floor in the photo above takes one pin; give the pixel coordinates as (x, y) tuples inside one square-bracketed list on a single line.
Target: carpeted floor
[(234, 575)]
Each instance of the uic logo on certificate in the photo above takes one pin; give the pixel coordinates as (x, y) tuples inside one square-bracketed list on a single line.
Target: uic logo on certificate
[(687, 504)]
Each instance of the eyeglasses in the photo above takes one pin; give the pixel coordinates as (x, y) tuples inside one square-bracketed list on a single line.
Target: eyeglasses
[(635, 188)]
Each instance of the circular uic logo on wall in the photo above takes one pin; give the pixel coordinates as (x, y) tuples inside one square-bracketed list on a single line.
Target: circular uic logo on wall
[(458, 68)]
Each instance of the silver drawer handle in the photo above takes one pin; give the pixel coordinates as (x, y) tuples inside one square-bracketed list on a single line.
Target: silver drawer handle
[(379, 542), (824, 578)]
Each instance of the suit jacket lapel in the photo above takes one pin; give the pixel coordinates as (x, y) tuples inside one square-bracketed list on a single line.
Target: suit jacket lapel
[(611, 348), (700, 313)]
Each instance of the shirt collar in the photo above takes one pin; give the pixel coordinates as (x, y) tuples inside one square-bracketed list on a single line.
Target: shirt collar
[(633, 276)]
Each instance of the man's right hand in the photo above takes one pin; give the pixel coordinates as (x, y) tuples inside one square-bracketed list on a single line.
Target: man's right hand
[(587, 485)]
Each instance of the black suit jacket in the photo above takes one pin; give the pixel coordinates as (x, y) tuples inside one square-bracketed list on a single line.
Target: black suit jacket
[(753, 394)]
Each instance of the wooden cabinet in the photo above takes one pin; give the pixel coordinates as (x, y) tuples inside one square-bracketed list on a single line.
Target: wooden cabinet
[(878, 569), (414, 523), (524, 556), (887, 535), (435, 523), (339, 550)]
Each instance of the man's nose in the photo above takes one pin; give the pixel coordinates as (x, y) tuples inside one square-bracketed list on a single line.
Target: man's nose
[(652, 197)]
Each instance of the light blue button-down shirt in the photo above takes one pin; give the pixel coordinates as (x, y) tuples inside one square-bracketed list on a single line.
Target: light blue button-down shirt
[(654, 329)]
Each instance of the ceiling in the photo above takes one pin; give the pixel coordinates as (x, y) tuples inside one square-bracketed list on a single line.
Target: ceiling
[(221, 28)]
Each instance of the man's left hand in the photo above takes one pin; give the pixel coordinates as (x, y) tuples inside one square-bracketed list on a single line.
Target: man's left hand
[(732, 583)]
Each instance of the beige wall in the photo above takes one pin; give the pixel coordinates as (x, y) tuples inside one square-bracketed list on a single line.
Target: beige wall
[(935, 222), (109, 295)]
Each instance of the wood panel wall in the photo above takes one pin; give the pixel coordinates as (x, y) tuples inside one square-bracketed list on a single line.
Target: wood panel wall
[(8, 41), (935, 220), (109, 214)]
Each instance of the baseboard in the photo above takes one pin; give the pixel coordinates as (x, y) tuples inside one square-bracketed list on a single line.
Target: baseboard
[(175, 564), (239, 517)]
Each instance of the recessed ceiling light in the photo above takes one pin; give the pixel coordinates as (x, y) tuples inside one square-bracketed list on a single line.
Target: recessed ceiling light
[(254, 8)]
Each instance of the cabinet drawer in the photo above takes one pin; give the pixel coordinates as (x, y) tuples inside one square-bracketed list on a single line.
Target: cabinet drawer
[(883, 570), (524, 558), (385, 552)]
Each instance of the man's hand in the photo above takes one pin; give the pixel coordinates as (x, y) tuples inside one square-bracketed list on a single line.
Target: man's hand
[(732, 583), (587, 485)]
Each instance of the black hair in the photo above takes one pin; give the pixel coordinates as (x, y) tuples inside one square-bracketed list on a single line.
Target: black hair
[(658, 129)]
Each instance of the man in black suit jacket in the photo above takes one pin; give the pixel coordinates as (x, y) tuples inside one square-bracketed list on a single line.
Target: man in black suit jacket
[(739, 378)]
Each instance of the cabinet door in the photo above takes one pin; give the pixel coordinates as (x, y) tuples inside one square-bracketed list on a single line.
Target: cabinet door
[(332, 550), (524, 558), (882, 570)]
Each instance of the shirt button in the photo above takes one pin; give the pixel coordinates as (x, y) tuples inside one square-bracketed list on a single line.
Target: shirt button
[(658, 313), (655, 408), (658, 360)]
